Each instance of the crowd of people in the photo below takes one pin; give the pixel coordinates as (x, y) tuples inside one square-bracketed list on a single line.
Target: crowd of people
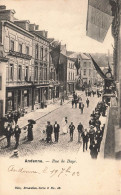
[(91, 136)]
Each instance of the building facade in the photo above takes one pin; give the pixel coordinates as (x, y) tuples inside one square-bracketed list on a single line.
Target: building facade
[(17, 44), (71, 75), (40, 65)]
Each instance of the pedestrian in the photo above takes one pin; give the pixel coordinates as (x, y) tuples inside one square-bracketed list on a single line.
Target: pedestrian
[(56, 131), (49, 130), (98, 137), (43, 135), (91, 134), (17, 132), (71, 127), (85, 137), (72, 103), (80, 131), (93, 150), (82, 107), (8, 134), (103, 109), (30, 131), (93, 93), (97, 123), (87, 102), (75, 103), (92, 121), (65, 125), (16, 116)]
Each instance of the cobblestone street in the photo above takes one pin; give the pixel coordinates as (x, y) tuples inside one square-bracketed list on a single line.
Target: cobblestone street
[(64, 144)]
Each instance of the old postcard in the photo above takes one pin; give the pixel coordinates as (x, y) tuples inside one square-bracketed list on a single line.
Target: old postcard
[(60, 97)]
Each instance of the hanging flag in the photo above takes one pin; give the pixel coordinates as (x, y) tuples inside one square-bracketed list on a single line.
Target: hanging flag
[(77, 64), (99, 71), (99, 19), (55, 54)]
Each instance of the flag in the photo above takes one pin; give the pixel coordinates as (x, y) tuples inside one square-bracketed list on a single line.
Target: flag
[(99, 71), (55, 54), (77, 64), (99, 19)]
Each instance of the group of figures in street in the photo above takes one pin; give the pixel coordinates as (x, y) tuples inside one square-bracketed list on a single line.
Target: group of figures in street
[(78, 100), (93, 135)]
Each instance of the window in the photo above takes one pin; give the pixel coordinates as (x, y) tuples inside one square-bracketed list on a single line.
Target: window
[(19, 72), (36, 73), (89, 72), (20, 48), (11, 71), (85, 64), (69, 75), (46, 54), (41, 53), (26, 98), (84, 71), (26, 73), (12, 45), (36, 51), (27, 50), (45, 74), (0, 82)]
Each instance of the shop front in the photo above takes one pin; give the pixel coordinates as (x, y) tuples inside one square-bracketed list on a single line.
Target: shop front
[(19, 99)]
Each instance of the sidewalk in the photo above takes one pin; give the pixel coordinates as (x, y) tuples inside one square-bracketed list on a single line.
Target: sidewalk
[(39, 113)]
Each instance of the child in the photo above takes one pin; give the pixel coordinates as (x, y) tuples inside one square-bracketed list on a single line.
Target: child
[(43, 135)]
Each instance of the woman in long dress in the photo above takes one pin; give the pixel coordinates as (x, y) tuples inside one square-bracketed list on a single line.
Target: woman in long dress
[(30, 132), (65, 125)]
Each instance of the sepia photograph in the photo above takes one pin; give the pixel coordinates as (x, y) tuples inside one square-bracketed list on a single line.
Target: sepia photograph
[(60, 97)]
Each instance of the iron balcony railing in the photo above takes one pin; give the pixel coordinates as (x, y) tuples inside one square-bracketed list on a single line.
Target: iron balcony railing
[(20, 55)]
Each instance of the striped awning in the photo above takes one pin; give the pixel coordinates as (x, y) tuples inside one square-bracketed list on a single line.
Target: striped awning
[(99, 19)]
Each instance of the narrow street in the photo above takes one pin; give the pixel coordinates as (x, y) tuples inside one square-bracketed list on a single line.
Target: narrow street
[(64, 144)]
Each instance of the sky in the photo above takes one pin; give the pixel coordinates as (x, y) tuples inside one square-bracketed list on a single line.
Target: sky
[(65, 20)]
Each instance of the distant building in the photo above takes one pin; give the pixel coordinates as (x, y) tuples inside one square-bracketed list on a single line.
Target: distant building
[(67, 72), (86, 72)]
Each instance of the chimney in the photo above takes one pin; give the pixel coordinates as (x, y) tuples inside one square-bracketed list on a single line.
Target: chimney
[(36, 27), (23, 24), (6, 14), (43, 33), (2, 7), (32, 27)]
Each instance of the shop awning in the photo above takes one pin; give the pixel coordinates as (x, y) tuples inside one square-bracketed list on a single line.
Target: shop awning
[(99, 19)]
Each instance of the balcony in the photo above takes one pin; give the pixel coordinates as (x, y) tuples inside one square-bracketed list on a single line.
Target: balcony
[(19, 55)]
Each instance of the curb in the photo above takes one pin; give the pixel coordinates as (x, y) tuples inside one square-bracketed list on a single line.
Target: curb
[(3, 137)]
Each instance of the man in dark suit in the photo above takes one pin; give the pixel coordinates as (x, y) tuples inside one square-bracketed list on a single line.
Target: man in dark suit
[(80, 130), (17, 132), (71, 127), (85, 137), (49, 130), (56, 131), (8, 133)]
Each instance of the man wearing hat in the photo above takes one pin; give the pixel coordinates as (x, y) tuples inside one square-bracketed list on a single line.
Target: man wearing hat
[(49, 130), (56, 131), (80, 130), (91, 134), (85, 137), (17, 132), (8, 133), (71, 127)]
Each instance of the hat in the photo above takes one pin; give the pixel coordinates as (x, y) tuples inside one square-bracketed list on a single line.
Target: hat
[(16, 152), (91, 126)]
